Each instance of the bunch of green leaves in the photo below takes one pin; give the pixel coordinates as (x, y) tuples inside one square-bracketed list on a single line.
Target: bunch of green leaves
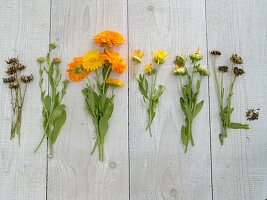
[(190, 105), (151, 93), (54, 113), (99, 107), (226, 109)]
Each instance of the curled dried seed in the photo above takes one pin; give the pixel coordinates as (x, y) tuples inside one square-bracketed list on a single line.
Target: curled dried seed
[(20, 67), (11, 70), (252, 114), (215, 52)]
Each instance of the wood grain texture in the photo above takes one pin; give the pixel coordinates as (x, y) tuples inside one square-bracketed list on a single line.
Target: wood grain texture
[(24, 29), (73, 173), (159, 168), (239, 167)]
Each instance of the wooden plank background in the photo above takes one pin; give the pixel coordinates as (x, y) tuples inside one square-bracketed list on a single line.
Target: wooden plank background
[(137, 166)]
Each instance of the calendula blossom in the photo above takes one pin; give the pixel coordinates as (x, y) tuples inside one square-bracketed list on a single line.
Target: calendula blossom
[(92, 60), (148, 68), (110, 38), (117, 62), (114, 81), (159, 56), (137, 57), (76, 71)]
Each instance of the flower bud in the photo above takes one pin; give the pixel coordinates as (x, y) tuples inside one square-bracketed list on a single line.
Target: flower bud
[(195, 56), (136, 59), (180, 70), (40, 59), (52, 46), (203, 71), (56, 60)]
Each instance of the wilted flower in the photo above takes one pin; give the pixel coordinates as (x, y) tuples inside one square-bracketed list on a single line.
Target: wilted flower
[(26, 78), (203, 71), (20, 67), (215, 52), (236, 59), (180, 70), (11, 70), (9, 80), (223, 68), (12, 61), (180, 60), (13, 86), (195, 56), (238, 71)]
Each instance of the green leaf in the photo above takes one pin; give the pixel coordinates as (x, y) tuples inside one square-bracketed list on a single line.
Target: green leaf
[(238, 126), (47, 103), (184, 136), (58, 123), (198, 108), (109, 110), (103, 127), (57, 112)]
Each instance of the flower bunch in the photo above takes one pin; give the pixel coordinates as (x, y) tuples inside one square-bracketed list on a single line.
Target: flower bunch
[(151, 93), (54, 113), (190, 91), (226, 108), (17, 84), (99, 102)]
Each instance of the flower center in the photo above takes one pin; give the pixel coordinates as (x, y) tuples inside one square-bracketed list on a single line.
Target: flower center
[(92, 60), (78, 69)]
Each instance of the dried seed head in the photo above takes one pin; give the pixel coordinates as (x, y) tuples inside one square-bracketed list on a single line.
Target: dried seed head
[(215, 53), (180, 60), (252, 114), (20, 67), (223, 68), (9, 80), (26, 78), (13, 86), (11, 70), (12, 61), (238, 71), (236, 59)]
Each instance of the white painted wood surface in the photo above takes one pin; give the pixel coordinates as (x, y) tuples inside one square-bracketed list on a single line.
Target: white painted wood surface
[(137, 167)]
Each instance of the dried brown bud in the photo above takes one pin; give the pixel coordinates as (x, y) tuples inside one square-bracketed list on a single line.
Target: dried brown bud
[(9, 80), (236, 59), (13, 86), (12, 61), (238, 71), (252, 114), (26, 78), (20, 67), (223, 68), (215, 52), (11, 70)]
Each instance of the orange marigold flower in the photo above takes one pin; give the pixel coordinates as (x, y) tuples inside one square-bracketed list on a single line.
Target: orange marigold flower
[(117, 63), (56, 60), (110, 38), (114, 81), (76, 70), (139, 53)]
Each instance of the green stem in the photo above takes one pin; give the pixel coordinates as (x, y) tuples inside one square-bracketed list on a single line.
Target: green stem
[(40, 143), (104, 81), (217, 82)]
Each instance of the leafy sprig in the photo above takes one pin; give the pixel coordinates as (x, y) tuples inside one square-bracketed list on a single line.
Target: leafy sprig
[(54, 112), (226, 109)]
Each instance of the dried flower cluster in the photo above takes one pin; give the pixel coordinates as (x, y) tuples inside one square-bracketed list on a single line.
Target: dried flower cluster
[(17, 91), (226, 108), (252, 114)]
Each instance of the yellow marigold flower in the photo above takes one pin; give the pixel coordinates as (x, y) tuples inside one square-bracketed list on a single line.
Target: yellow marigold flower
[(117, 62), (40, 59), (148, 68), (56, 60), (139, 53), (114, 81), (159, 56), (110, 38), (92, 60)]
